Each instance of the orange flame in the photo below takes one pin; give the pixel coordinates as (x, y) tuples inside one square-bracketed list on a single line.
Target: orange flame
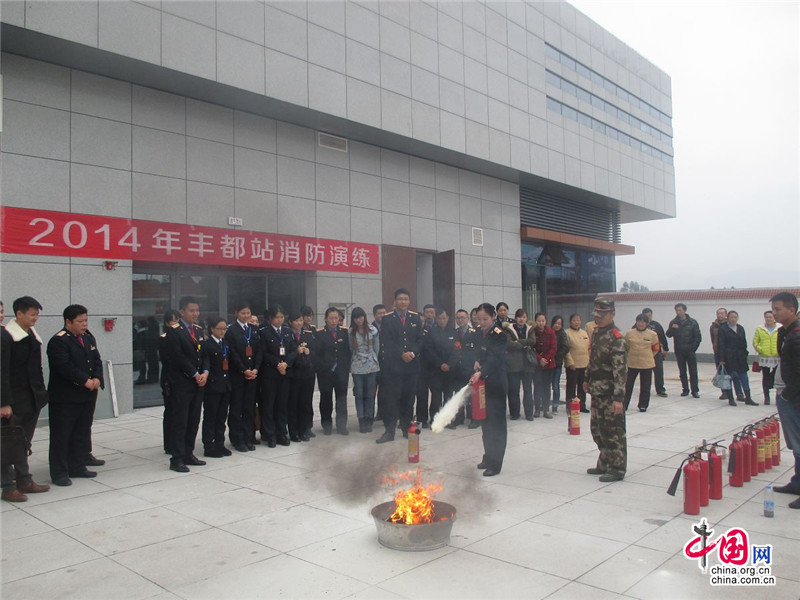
[(415, 505)]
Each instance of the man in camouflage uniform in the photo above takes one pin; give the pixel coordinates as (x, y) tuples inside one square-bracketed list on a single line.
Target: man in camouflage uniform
[(605, 381)]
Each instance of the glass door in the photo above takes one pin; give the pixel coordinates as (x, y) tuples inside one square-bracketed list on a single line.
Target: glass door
[(152, 293)]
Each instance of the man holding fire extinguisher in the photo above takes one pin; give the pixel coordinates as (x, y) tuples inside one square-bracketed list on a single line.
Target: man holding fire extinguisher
[(605, 381), (490, 343)]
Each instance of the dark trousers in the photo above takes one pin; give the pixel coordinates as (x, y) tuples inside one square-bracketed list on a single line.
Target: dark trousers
[(422, 398), (242, 411), (167, 416), (20, 471), (514, 380), (70, 435), (575, 379), (441, 388), (542, 380), (301, 405), (331, 382), (186, 404), (273, 406), (767, 380), (494, 428), (687, 359), (658, 374), (459, 381), (396, 399), (215, 412), (645, 379)]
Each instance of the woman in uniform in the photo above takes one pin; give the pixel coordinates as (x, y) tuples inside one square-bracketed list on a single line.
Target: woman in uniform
[(489, 344)]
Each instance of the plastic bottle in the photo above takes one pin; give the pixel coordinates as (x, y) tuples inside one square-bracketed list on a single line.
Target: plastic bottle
[(769, 502)]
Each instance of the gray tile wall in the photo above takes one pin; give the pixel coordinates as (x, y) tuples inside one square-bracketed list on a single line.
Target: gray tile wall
[(468, 76), (98, 146)]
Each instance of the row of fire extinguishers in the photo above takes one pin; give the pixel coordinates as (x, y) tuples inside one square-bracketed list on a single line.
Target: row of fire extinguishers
[(753, 450)]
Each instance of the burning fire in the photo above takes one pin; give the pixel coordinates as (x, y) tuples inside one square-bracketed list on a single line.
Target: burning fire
[(414, 505)]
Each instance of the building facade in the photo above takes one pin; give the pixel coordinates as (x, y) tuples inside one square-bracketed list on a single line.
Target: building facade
[(318, 152)]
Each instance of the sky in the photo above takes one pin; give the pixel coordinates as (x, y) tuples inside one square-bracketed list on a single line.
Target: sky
[(734, 68)]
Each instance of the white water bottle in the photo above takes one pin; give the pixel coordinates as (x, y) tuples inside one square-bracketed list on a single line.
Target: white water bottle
[(769, 502)]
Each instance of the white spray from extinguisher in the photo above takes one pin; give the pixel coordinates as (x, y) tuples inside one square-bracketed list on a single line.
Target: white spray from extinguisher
[(448, 412)]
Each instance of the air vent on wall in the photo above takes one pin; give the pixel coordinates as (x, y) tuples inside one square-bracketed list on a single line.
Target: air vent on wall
[(477, 236), (332, 142)]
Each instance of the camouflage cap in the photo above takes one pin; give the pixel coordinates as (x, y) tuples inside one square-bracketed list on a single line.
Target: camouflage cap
[(602, 305)]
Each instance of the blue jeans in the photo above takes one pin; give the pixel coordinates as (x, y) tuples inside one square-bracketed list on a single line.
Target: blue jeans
[(740, 382), (790, 422), (364, 390), (556, 383), (542, 380)]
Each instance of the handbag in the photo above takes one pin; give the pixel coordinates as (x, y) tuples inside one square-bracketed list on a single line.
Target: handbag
[(14, 447), (530, 357), (722, 380), (756, 367)]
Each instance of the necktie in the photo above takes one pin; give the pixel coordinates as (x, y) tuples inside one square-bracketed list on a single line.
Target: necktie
[(403, 319), (297, 336), (191, 333), (333, 333), (80, 340)]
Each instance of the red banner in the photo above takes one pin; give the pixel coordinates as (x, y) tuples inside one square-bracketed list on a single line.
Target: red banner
[(26, 231)]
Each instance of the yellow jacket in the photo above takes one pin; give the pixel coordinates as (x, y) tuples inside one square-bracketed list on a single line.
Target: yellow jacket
[(578, 342), (642, 346), (766, 343)]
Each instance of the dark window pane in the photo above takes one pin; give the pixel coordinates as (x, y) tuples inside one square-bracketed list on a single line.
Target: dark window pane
[(569, 112), (553, 105), (584, 95), (584, 120), (583, 71)]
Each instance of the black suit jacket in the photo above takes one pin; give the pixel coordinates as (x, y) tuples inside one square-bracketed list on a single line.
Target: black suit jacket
[(213, 356), (396, 339), (184, 359), (490, 353), (71, 365), (329, 352), (271, 343), (22, 385), (237, 339), (439, 349), (301, 366)]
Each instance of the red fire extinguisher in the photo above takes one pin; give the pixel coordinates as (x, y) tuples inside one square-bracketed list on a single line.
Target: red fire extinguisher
[(776, 442), (747, 455), (715, 473), (479, 400), (767, 445), (575, 416), (736, 459), (691, 485), (413, 443), (753, 450), (703, 482), (760, 438)]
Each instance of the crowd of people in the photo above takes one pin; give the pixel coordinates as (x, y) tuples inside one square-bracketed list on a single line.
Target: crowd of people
[(244, 378)]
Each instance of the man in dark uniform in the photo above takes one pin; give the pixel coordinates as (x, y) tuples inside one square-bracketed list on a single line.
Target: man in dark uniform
[(217, 392), (401, 344), (605, 381), (76, 374), (423, 397), (22, 390), (658, 372), (463, 363), (332, 363), (171, 317), (438, 361), (490, 344), (246, 355), (186, 376)]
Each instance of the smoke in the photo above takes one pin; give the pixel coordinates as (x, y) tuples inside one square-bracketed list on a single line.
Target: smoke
[(449, 411)]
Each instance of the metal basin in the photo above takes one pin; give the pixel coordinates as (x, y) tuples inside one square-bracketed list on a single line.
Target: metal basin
[(414, 538)]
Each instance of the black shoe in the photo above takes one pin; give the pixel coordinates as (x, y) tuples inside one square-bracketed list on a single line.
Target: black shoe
[(451, 426), (305, 438), (723, 396), (482, 465), (595, 471), (585, 410), (91, 461), (283, 440), (224, 451), (529, 418), (213, 453), (178, 466), (795, 503), (490, 473), (294, 437), (327, 429), (684, 393), (749, 402), (662, 394), (388, 436), (740, 398), (63, 481), (241, 447), (425, 425), (311, 434), (342, 431), (787, 489), (695, 395), (611, 477), (256, 442), (194, 461), (272, 442), (731, 401), (547, 415), (766, 402), (642, 410), (84, 474), (514, 417), (474, 424), (250, 446), (537, 414)]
